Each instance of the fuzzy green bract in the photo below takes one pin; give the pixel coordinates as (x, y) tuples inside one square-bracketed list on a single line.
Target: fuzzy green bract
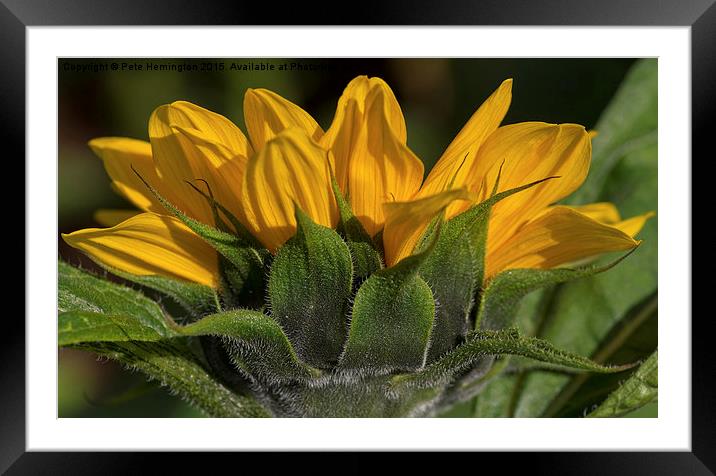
[(326, 345), (322, 329), (309, 289)]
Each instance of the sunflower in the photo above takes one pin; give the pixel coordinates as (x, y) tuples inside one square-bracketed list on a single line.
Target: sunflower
[(288, 161)]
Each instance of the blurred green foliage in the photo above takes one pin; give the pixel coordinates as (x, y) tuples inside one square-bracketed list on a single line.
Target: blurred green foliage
[(437, 97)]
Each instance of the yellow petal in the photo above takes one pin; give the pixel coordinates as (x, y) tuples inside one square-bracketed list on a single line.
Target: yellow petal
[(150, 244), (109, 217), (357, 91), (119, 155), (381, 167), (528, 152), (341, 137), (632, 226), (557, 236), (604, 212), (459, 158), (343, 145), (267, 114), (405, 222), (608, 214), (222, 168), (291, 170), (191, 143)]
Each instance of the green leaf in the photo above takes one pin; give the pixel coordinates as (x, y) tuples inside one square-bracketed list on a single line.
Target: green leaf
[(81, 293), (641, 388), (173, 365), (502, 296), (391, 321), (456, 267), (581, 314), (309, 288), (494, 400), (633, 339), (263, 349), (366, 258), (505, 342), (628, 124)]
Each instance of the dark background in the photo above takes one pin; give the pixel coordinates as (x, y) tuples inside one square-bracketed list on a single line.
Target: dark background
[(437, 97)]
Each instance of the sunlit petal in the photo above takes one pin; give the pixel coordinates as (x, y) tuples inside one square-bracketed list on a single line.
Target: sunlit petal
[(190, 143), (604, 212), (291, 170), (150, 244), (381, 167), (267, 114), (608, 214), (556, 237), (119, 155), (527, 152), (357, 92), (405, 222), (458, 160)]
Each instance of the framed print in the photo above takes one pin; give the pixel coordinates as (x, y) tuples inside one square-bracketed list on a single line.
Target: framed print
[(453, 241)]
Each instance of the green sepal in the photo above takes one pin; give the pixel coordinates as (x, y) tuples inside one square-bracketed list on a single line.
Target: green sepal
[(450, 272), (81, 294), (366, 257), (195, 298), (638, 390), (455, 268), (121, 323), (76, 327), (239, 288), (501, 297), (246, 274), (260, 346), (309, 288), (503, 342), (238, 228), (264, 349), (174, 366), (392, 319)]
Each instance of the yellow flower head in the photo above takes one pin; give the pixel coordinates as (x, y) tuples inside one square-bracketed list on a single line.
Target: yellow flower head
[(288, 161)]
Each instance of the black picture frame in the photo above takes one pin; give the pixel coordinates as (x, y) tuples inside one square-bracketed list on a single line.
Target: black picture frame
[(700, 15)]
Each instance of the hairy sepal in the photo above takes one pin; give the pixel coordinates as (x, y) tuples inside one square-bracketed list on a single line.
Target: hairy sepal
[(366, 257), (392, 320), (257, 342), (455, 269), (502, 295), (195, 298), (309, 289), (487, 343), (91, 308)]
